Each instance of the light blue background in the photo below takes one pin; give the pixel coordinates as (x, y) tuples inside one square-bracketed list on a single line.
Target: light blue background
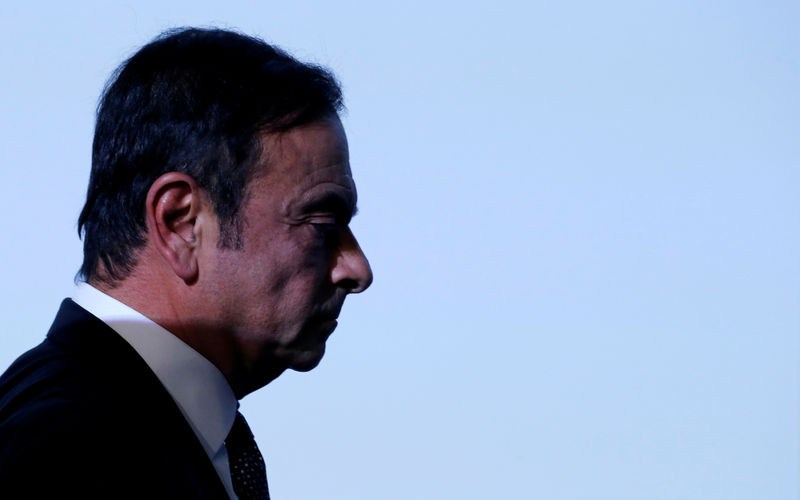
[(582, 219)]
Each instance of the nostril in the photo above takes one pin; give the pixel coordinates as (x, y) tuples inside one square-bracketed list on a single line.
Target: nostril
[(350, 285)]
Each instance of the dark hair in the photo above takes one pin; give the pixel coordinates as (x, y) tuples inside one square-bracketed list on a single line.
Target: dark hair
[(192, 101)]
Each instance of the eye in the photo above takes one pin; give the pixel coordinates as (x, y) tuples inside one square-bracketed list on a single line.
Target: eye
[(326, 233), (327, 227), (327, 220), (323, 223), (329, 209)]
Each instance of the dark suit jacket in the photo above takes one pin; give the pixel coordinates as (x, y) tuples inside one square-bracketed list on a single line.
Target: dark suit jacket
[(82, 416)]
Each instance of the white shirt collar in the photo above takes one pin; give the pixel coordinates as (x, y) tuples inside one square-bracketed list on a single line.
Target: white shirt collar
[(199, 389)]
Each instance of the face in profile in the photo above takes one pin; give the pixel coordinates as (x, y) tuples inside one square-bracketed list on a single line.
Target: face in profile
[(278, 296)]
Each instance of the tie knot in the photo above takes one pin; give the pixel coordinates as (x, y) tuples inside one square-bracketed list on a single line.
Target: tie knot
[(240, 432)]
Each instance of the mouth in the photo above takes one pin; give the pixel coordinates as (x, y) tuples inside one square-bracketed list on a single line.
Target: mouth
[(328, 326)]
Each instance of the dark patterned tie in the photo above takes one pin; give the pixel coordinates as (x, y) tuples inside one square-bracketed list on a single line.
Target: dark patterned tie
[(248, 472)]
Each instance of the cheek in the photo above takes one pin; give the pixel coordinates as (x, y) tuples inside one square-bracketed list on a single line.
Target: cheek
[(296, 274), (316, 247), (289, 273)]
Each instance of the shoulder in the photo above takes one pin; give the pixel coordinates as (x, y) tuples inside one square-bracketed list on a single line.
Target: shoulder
[(57, 418), (67, 428), (85, 412)]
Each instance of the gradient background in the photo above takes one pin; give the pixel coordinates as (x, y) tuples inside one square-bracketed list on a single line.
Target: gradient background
[(582, 219)]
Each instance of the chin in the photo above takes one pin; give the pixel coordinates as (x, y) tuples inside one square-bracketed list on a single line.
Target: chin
[(307, 360)]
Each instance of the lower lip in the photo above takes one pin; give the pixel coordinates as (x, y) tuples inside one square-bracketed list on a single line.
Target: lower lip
[(329, 326)]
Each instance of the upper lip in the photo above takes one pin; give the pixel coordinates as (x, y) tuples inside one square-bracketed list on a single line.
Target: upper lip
[(333, 313)]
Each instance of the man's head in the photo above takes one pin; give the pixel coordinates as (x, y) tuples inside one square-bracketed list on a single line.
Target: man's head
[(192, 101), (220, 198)]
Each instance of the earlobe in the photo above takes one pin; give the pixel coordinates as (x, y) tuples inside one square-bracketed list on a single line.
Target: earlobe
[(173, 204)]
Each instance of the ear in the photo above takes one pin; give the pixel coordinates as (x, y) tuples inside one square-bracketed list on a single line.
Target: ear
[(173, 204)]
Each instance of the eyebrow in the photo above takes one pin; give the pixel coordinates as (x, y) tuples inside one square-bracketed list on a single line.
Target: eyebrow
[(333, 202)]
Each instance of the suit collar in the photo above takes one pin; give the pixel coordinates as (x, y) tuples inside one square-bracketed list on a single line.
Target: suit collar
[(131, 395), (199, 389)]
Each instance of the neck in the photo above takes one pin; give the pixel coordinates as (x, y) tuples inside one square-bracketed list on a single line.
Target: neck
[(179, 309)]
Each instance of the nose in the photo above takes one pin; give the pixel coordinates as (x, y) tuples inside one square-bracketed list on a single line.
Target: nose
[(351, 269)]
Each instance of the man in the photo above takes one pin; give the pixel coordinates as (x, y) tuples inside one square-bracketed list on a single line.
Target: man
[(217, 254)]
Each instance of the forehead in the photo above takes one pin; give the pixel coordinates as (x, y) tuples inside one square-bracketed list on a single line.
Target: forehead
[(306, 149), (304, 160)]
